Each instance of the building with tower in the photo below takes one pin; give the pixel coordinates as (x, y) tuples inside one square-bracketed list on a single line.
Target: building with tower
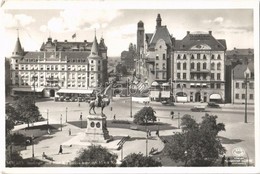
[(189, 70), (59, 68)]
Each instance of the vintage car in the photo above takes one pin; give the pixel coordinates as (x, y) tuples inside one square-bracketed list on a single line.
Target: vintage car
[(199, 108), (213, 105)]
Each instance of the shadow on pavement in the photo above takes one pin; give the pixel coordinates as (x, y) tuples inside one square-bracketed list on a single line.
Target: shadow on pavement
[(225, 140)]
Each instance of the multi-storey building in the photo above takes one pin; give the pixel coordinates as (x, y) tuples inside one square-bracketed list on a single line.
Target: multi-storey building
[(193, 67), (198, 68), (243, 84), (59, 67), (128, 57)]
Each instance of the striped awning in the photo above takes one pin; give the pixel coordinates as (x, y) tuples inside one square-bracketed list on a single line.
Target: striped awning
[(155, 83), (204, 84), (165, 84), (192, 84), (198, 84)]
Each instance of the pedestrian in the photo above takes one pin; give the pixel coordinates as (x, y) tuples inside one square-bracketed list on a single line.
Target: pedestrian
[(114, 116), (49, 131), (69, 132), (229, 162), (223, 160), (44, 155), (80, 117), (172, 114), (60, 151), (111, 108), (79, 104)]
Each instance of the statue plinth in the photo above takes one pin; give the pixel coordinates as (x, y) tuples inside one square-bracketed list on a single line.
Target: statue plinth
[(96, 129)]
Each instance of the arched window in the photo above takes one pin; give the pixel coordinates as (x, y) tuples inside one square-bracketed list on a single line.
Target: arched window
[(204, 57), (219, 57), (178, 85), (178, 65), (219, 66), (213, 66), (184, 56), (192, 65), (212, 57), (204, 65), (198, 66), (184, 66), (192, 57), (178, 57)]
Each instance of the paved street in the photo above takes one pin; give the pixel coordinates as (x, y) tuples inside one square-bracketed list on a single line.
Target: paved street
[(233, 136)]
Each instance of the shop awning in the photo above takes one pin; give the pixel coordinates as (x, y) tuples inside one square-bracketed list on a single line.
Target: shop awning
[(155, 84), (204, 84), (192, 84), (198, 84), (28, 89), (165, 94), (214, 96), (154, 94), (76, 91)]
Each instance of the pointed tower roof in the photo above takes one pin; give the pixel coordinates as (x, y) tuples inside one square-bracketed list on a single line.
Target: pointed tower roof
[(94, 49), (18, 48)]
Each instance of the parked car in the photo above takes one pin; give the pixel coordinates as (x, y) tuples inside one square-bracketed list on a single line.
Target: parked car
[(199, 108), (213, 105), (167, 102)]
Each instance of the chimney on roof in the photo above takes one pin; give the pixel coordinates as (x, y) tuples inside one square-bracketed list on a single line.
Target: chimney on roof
[(85, 41), (234, 48), (188, 32), (55, 41), (210, 32), (65, 40)]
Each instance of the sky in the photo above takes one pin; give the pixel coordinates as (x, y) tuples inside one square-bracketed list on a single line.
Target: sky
[(118, 27)]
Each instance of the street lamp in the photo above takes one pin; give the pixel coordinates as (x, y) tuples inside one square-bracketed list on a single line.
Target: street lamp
[(146, 136), (47, 116), (80, 120), (60, 122), (66, 113), (34, 78), (178, 120), (246, 81), (32, 146), (186, 158)]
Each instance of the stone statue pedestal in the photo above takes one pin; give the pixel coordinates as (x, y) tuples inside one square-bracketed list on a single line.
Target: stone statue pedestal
[(96, 129)]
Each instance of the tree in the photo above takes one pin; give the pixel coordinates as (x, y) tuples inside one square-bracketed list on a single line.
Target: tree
[(197, 144), (95, 156), (27, 110), (139, 160), (144, 115)]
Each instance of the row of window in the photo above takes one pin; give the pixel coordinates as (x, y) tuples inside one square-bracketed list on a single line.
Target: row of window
[(199, 76), (243, 85), (199, 56), (243, 96), (198, 65)]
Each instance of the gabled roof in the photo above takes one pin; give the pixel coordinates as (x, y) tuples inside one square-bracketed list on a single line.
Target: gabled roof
[(148, 37), (191, 40), (240, 69), (161, 32)]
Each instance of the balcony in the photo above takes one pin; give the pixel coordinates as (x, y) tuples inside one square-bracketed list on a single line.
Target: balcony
[(200, 71), (52, 79)]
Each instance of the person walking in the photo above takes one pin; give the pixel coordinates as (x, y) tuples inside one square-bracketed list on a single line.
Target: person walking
[(229, 162), (172, 114), (223, 160), (60, 151), (114, 116), (80, 117), (69, 132)]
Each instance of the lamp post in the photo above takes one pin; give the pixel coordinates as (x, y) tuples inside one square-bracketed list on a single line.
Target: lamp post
[(66, 113), (178, 120), (32, 146), (47, 116), (146, 147), (60, 122), (80, 120), (131, 107), (246, 99), (34, 78), (186, 158)]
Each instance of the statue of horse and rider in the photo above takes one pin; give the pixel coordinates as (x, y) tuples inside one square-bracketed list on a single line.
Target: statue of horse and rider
[(100, 101)]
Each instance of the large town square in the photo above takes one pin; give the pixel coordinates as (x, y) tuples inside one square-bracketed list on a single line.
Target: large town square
[(143, 89)]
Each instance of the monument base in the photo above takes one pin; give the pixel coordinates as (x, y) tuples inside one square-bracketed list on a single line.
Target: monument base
[(96, 129)]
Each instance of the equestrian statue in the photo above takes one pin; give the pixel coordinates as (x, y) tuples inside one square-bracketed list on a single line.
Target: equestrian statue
[(100, 101)]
